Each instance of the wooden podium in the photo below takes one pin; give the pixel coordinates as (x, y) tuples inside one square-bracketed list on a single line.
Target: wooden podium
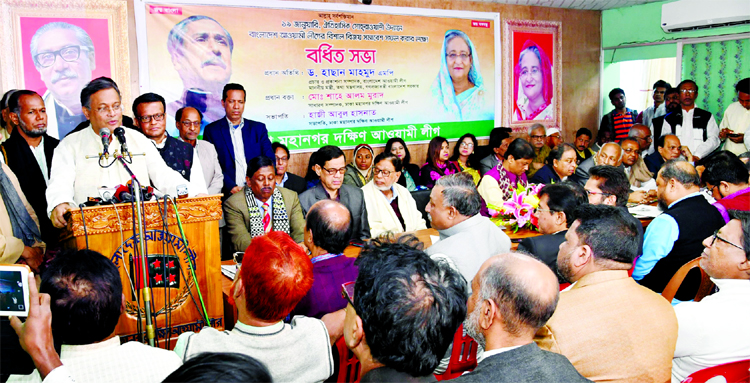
[(176, 305)]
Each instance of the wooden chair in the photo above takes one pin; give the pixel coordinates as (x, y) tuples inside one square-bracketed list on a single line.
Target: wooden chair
[(674, 284), (463, 356), (732, 372)]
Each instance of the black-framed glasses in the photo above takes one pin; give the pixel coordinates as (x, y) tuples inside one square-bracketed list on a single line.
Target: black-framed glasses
[(332, 172), (385, 173), (590, 193), (155, 117), (69, 54), (716, 236), (347, 292), (537, 137)]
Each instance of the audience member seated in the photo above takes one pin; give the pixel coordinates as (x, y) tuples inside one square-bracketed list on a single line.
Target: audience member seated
[(237, 140), (188, 121), (642, 134), (311, 177), (498, 184), (555, 214), (86, 301), (553, 137), (667, 148), (601, 139), (262, 207), (330, 166), (151, 120), (608, 326), (220, 367), (403, 312), (499, 141), (711, 331), (736, 120), (513, 297), (609, 154), (285, 179), (583, 139), (275, 275), (608, 185), (466, 238), (20, 238), (437, 164), (641, 180), (619, 120), (697, 129), (463, 155), (390, 207), (28, 153), (674, 237), (327, 234), (561, 163), (359, 171), (537, 137), (410, 176), (726, 177), (658, 109)]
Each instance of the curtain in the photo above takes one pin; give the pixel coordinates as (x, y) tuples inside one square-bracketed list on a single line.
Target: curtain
[(716, 67)]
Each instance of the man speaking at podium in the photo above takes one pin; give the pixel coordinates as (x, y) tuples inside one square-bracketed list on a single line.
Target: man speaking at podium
[(74, 177)]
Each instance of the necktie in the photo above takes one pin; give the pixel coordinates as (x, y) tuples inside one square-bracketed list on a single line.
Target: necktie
[(266, 218)]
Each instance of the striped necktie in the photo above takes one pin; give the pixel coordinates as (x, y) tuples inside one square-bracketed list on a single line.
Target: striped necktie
[(266, 218)]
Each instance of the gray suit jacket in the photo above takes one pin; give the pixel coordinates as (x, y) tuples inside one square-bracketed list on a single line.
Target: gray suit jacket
[(527, 363), (582, 171), (487, 163), (351, 197)]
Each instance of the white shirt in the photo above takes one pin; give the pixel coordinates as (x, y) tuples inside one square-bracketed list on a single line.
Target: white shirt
[(196, 170), (109, 361), (736, 119), (210, 163), (239, 152), (74, 178), (693, 138), (41, 159), (650, 113), (714, 330), (496, 351)]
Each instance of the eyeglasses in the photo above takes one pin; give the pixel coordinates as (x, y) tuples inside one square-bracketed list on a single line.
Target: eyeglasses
[(282, 159), (69, 54), (114, 109), (332, 172), (147, 119), (590, 193), (537, 137), (629, 150), (347, 292), (385, 173), (466, 145), (188, 124), (716, 236), (546, 210), (690, 91), (463, 56)]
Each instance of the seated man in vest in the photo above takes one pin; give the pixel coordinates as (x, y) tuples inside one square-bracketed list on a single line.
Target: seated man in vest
[(498, 184), (727, 179), (537, 138), (150, 119), (595, 323), (697, 129), (262, 207), (330, 166), (674, 237), (609, 154), (403, 311), (86, 301), (327, 232), (513, 296), (188, 125), (390, 206), (710, 331), (275, 275), (667, 148)]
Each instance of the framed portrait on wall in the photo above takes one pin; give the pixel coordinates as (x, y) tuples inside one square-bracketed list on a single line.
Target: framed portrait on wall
[(532, 68), (55, 49)]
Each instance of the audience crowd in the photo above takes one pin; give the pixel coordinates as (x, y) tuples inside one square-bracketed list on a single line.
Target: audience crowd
[(589, 299)]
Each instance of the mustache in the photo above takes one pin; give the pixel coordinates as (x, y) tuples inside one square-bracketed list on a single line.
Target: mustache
[(66, 73), (216, 60)]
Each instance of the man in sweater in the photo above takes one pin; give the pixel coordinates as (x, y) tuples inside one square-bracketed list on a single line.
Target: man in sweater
[(275, 275), (674, 238), (513, 296)]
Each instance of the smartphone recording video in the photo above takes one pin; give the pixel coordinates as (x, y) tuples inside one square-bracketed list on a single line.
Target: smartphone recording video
[(14, 290)]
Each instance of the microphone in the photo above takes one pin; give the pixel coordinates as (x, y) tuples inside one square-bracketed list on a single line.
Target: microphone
[(104, 134), (155, 192), (122, 194), (120, 134)]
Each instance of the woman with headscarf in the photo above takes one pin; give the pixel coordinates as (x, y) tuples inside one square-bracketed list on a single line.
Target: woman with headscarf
[(458, 89), (359, 171), (532, 84)]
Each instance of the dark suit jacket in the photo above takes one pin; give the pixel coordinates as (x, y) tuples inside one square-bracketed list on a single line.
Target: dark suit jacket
[(654, 161), (295, 183), (254, 138), (545, 248), (354, 200), (527, 363), (413, 171), (22, 162), (487, 163), (545, 175)]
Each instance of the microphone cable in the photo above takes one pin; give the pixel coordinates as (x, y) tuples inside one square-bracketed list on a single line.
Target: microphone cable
[(83, 219), (127, 273)]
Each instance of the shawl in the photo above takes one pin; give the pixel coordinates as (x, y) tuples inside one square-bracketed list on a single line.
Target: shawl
[(639, 173), (279, 217), (23, 225)]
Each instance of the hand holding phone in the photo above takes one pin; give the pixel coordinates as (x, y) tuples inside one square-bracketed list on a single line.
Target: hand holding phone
[(14, 290)]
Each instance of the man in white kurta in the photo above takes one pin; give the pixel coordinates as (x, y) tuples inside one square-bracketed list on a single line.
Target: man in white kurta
[(737, 120), (692, 136)]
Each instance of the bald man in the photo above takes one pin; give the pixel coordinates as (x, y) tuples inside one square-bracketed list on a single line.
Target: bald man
[(642, 134), (674, 238), (668, 147), (609, 154), (327, 232), (506, 330)]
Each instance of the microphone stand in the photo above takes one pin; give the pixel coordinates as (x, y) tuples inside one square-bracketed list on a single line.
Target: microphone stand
[(144, 269)]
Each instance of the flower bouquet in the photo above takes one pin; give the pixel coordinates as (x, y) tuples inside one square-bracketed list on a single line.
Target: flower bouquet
[(518, 211)]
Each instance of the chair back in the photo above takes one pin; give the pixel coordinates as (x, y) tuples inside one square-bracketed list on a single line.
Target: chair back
[(348, 364), (674, 284), (463, 356), (732, 372)]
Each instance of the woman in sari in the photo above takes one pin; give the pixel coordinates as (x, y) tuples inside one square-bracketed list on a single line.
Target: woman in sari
[(438, 164), (463, 155)]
